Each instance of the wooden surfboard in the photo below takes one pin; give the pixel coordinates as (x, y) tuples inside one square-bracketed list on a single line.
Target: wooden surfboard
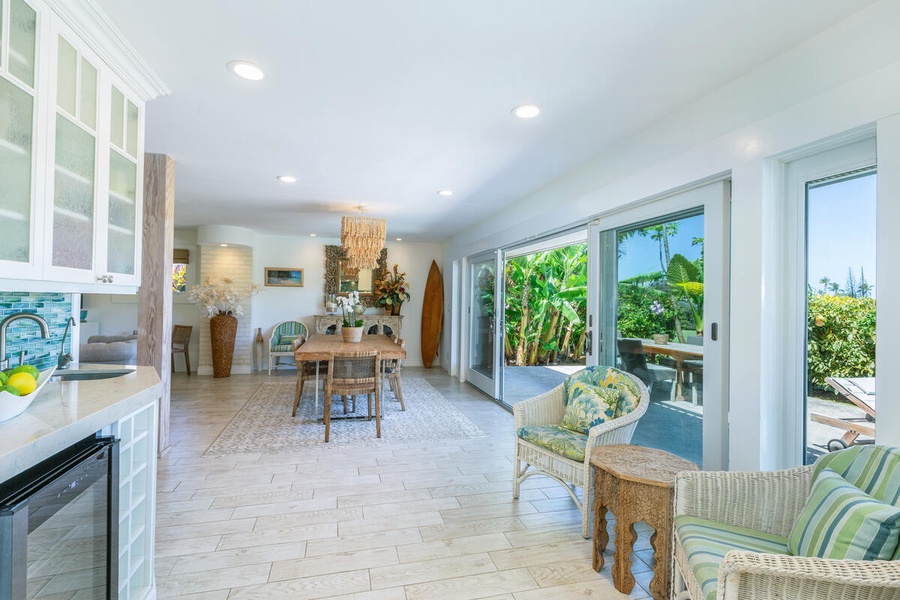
[(432, 315)]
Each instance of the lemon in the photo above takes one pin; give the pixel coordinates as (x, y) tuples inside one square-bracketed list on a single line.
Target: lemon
[(10, 389), (23, 382), (31, 370)]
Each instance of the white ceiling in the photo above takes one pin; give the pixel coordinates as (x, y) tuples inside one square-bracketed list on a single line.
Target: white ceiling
[(382, 103)]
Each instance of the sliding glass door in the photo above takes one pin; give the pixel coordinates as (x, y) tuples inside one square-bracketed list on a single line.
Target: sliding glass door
[(661, 315), (485, 324)]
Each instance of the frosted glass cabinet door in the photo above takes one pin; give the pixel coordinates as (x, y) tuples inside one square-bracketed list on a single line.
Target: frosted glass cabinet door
[(122, 214), (22, 35), (73, 196), (16, 123)]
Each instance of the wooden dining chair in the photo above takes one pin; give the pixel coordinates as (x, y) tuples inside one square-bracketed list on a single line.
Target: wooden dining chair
[(392, 371), (181, 339), (352, 373)]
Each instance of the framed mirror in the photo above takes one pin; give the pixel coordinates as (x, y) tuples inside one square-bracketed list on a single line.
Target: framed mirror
[(340, 280)]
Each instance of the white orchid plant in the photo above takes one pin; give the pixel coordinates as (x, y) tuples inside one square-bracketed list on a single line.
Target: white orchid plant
[(351, 308), (221, 297)]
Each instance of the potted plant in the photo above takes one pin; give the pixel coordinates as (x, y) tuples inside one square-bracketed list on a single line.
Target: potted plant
[(390, 290), (221, 300), (352, 326)]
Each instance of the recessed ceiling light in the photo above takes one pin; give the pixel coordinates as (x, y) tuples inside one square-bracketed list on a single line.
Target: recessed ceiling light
[(224, 245), (526, 111), (312, 235), (445, 192), (245, 69), (399, 239), (287, 178)]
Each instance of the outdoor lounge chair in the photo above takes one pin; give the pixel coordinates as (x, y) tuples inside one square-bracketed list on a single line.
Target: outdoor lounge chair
[(861, 392), (763, 535), (546, 443)]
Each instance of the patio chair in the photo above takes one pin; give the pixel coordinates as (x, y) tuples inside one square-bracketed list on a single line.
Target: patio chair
[(281, 341), (349, 374), (634, 360), (557, 431), (784, 534)]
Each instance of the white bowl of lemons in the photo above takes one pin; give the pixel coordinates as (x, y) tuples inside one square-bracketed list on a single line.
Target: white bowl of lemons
[(19, 386)]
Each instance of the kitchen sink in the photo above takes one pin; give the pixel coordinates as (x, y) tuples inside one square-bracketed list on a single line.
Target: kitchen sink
[(90, 374)]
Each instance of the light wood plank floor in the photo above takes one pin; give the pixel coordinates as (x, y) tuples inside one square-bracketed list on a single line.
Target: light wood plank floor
[(393, 522)]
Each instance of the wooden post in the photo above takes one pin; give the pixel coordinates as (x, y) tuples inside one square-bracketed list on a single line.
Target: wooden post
[(155, 294)]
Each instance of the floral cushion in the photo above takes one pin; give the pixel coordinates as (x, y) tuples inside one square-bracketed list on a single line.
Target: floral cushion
[(557, 439), (595, 378), (588, 406)]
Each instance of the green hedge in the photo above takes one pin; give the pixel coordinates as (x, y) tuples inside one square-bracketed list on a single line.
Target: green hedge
[(841, 337)]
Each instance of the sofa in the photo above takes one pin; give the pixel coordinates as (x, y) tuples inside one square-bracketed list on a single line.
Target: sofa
[(109, 349), (829, 530)]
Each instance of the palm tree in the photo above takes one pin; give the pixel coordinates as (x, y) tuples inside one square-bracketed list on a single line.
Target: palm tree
[(825, 281)]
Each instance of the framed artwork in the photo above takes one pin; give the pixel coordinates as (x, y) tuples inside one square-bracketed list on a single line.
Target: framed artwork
[(284, 277)]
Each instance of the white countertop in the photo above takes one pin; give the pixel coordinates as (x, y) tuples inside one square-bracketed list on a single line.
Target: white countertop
[(65, 412)]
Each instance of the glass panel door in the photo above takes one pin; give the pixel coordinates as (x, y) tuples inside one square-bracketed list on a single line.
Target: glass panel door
[(485, 329), (840, 310), (661, 317)]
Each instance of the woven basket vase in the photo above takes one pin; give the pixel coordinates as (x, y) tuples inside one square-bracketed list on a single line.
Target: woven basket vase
[(222, 331), (352, 334)]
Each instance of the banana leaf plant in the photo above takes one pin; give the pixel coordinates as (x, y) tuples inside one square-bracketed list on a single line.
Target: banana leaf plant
[(685, 280)]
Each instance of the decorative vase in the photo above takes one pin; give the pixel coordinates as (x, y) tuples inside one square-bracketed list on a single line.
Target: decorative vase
[(352, 334), (222, 331), (395, 308), (258, 350), (660, 338)]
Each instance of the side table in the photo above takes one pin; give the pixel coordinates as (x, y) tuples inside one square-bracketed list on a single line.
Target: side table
[(636, 484)]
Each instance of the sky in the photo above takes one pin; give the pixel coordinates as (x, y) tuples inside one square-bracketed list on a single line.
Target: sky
[(841, 231), (641, 254)]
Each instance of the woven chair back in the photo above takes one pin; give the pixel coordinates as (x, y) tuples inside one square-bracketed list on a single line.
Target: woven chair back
[(181, 335), (354, 373)]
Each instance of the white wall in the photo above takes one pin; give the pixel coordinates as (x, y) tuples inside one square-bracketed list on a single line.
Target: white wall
[(845, 78), (274, 305)]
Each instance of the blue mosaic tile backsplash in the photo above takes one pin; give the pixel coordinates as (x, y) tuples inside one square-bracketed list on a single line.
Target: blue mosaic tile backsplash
[(26, 335)]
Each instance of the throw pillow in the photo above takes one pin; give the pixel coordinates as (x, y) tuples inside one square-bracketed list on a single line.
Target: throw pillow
[(588, 406), (841, 521)]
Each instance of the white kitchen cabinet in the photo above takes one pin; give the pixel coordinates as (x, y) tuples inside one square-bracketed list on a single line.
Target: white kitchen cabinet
[(71, 150)]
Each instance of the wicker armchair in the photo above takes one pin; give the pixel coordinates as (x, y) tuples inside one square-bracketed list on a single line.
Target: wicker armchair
[(532, 459), (769, 502)]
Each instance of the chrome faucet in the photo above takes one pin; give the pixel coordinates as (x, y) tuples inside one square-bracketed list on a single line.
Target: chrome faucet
[(65, 357), (45, 332)]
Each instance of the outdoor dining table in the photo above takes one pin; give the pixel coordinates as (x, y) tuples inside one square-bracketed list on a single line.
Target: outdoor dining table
[(322, 346), (679, 352)]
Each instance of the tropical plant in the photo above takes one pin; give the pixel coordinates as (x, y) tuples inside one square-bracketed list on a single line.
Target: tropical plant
[(841, 337), (686, 281), (222, 296), (392, 288)]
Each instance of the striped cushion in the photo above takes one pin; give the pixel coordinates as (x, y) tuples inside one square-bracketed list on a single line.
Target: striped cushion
[(282, 348), (706, 543), (873, 469), (557, 439), (285, 333), (840, 521)]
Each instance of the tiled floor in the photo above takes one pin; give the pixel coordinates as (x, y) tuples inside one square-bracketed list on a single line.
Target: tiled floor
[(391, 522)]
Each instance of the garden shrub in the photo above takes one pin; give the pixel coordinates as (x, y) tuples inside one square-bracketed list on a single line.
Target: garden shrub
[(841, 339)]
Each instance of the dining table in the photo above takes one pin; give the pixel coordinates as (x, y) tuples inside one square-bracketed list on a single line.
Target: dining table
[(678, 351), (320, 347)]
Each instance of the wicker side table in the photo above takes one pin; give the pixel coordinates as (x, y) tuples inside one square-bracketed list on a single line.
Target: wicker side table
[(636, 484)]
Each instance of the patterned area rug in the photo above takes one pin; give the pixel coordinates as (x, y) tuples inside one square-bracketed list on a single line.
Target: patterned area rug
[(265, 425)]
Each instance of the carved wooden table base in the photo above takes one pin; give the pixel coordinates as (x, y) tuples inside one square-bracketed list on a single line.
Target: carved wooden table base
[(636, 484)]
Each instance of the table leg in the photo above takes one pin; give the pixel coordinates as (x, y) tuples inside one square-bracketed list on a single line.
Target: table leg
[(661, 542), (601, 535), (316, 399), (679, 378), (623, 580)]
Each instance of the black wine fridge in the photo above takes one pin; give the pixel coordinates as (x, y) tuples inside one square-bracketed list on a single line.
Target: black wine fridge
[(59, 525)]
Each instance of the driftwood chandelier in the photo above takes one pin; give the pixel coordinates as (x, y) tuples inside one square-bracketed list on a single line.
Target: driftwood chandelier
[(362, 239)]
